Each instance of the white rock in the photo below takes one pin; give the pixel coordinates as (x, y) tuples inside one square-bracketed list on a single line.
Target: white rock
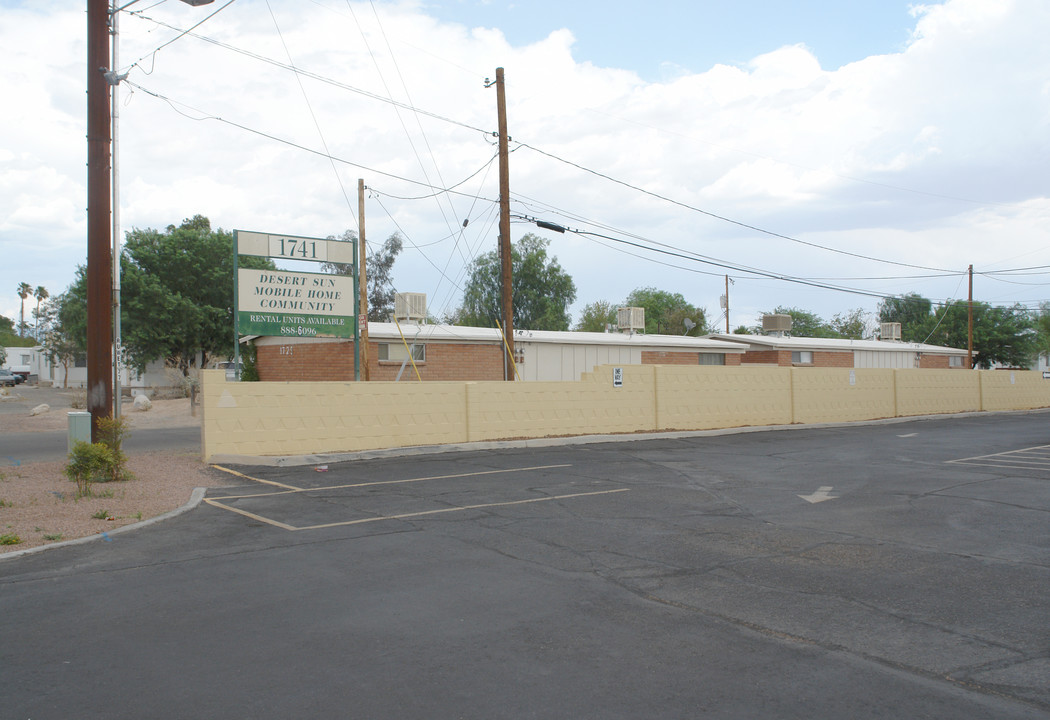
[(142, 403), (40, 409)]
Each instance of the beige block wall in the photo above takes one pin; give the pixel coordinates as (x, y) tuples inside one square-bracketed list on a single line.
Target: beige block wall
[(545, 409), (302, 418), (932, 392), (841, 394), (1014, 390), (705, 397)]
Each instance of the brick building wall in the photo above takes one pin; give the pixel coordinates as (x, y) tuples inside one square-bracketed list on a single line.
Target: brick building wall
[(444, 361), (935, 362), (782, 358), (671, 357), (334, 361), (832, 359), (306, 362), (767, 357), (664, 357)]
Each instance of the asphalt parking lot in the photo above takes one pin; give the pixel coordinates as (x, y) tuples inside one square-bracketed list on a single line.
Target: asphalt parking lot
[(871, 571)]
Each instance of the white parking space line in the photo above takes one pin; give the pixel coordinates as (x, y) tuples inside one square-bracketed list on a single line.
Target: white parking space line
[(292, 489), (1033, 458), (218, 502), (460, 508)]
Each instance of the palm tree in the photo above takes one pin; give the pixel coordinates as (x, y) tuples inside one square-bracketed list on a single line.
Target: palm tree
[(24, 291), (40, 294)]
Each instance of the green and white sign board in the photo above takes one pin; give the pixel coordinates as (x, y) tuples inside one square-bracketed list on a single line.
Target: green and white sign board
[(291, 304), (296, 304)]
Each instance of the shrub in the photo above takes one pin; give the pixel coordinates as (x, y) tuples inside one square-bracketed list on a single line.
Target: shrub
[(88, 462), (249, 368), (112, 432)]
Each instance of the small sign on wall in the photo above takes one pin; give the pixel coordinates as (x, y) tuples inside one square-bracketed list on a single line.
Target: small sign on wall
[(617, 377)]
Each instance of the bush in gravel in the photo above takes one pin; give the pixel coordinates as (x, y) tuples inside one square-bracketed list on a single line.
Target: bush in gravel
[(88, 462), (112, 432), (9, 539), (103, 461)]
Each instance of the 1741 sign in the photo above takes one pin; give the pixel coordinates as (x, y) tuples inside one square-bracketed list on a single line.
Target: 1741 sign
[(296, 304)]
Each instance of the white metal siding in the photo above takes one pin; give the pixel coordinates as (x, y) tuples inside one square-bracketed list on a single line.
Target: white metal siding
[(892, 360), (554, 362)]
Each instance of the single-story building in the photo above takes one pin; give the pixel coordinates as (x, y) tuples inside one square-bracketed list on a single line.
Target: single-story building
[(34, 363), (785, 351), (452, 352)]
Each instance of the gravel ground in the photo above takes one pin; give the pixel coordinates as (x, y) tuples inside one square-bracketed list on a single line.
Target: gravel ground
[(38, 504)]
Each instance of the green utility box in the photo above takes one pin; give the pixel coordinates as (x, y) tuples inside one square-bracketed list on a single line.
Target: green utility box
[(79, 428)]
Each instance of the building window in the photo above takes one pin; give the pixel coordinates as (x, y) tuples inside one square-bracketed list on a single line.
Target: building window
[(712, 359), (801, 357), (80, 361), (955, 361), (396, 352), (26, 359)]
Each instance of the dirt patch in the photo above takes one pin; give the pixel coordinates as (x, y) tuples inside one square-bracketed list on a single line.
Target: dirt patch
[(38, 503), (164, 413)]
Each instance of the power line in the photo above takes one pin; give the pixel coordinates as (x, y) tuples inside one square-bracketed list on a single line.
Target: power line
[(183, 33), (724, 218), (313, 115), (203, 115), (313, 75)]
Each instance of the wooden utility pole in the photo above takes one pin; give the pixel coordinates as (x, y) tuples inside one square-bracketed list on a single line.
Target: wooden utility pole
[(727, 304), (969, 324), (504, 226), (362, 316), (99, 261)]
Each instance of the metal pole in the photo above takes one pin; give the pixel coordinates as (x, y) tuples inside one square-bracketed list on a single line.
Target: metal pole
[(727, 304), (357, 324), (115, 120), (969, 324), (99, 262), (504, 226), (236, 313), (362, 314)]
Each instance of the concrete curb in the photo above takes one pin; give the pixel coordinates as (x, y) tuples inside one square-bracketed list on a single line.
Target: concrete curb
[(417, 450), (195, 499)]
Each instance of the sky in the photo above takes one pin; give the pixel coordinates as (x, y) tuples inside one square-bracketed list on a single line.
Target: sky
[(821, 154)]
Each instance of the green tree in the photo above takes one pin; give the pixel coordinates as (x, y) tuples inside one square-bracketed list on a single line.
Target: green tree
[(541, 290), (852, 325), (666, 312), (804, 323), (1041, 324), (176, 294), (24, 291), (912, 311), (66, 335), (596, 316), (1004, 335), (8, 335), (41, 294), (379, 266)]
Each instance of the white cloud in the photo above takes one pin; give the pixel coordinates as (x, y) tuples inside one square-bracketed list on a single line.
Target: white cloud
[(933, 155)]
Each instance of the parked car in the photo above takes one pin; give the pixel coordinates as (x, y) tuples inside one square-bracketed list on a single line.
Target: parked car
[(9, 378)]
